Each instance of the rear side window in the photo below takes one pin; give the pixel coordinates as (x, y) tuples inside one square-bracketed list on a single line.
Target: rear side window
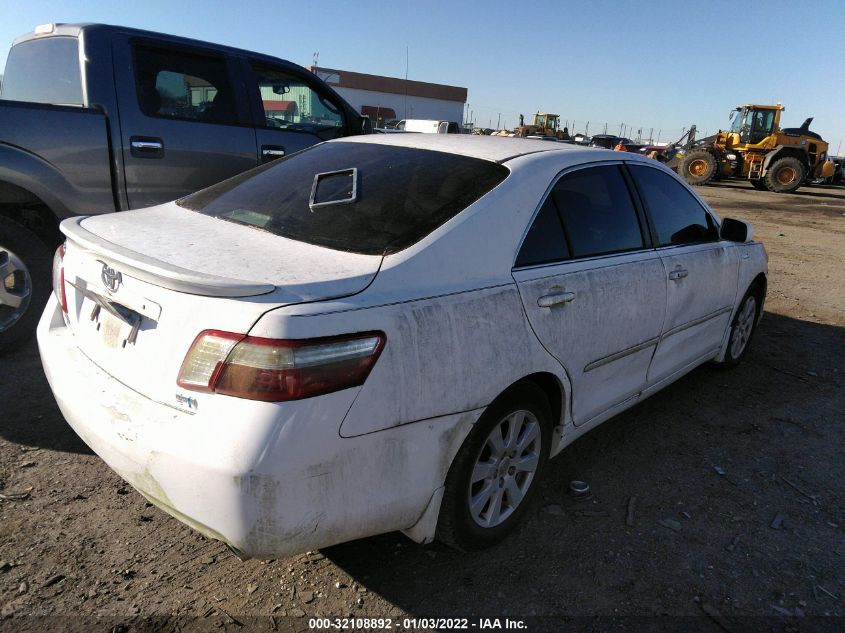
[(401, 195), (176, 85), (597, 212), (545, 241), (677, 216), (44, 71)]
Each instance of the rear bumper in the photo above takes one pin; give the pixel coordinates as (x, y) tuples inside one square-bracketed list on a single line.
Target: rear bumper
[(270, 479)]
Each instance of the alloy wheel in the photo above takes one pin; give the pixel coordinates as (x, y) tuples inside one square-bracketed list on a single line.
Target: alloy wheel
[(744, 325), (15, 288), (504, 469)]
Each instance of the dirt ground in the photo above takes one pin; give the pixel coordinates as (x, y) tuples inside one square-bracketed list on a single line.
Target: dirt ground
[(738, 511)]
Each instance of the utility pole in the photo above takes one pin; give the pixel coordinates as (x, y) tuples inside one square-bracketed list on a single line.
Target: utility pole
[(658, 136), (621, 125), (587, 129), (651, 136), (839, 148), (406, 81), (605, 127), (498, 121)]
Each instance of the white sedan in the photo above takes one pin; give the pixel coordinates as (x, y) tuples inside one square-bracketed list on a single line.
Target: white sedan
[(392, 332)]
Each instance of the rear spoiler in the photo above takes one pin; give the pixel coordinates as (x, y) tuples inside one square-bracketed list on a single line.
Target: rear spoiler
[(157, 272)]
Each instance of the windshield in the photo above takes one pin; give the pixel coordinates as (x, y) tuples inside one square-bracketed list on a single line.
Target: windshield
[(359, 197), (739, 119)]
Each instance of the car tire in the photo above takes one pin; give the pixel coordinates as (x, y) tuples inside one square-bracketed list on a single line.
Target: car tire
[(504, 483), (743, 327), (25, 266), (785, 175), (698, 167)]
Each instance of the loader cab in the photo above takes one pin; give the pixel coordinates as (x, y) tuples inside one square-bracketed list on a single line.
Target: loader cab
[(546, 120), (754, 123)]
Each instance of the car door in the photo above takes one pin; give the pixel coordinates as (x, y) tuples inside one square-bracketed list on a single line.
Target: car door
[(184, 120), (593, 288), (290, 110), (701, 272)]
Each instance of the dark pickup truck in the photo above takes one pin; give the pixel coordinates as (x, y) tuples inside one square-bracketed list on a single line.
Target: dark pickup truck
[(97, 118)]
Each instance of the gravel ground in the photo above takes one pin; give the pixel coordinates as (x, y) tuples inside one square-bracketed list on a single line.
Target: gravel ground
[(734, 482)]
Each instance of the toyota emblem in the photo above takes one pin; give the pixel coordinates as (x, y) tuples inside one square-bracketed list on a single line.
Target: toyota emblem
[(111, 278)]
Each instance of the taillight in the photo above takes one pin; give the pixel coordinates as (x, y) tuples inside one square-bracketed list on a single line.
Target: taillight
[(276, 370), (59, 277)]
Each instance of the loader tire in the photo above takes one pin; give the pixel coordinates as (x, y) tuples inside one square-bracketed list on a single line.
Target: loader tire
[(698, 167), (785, 175)]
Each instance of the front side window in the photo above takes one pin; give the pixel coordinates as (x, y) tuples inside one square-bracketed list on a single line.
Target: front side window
[(44, 71), (355, 197), (677, 216), (175, 85), (291, 104)]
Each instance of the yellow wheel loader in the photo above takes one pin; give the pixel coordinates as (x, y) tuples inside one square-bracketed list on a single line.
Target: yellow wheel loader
[(542, 124), (757, 149)]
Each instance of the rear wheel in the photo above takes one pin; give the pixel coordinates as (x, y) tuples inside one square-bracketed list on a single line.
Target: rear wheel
[(785, 175), (494, 476), (698, 167), (24, 282)]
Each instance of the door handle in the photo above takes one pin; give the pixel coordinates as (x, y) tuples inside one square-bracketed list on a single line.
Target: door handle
[(678, 274), (146, 147), (555, 298), (271, 152)]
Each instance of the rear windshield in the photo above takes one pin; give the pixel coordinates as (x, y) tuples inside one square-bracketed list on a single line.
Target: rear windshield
[(357, 197), (44, 71)]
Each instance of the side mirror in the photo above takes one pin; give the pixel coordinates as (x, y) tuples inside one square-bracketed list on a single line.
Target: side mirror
[(281, 89), (735, 231)]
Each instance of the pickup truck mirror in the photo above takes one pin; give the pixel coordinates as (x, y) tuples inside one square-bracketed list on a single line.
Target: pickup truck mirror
[(735, 230)]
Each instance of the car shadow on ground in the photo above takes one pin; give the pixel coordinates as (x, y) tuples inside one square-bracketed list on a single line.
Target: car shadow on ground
[(702, 461), (817, 191), (29, 415)]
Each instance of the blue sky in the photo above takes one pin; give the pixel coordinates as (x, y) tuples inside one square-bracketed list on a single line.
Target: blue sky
[(651, 64)]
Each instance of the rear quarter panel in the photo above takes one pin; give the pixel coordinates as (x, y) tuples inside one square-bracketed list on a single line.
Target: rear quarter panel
[(443, 355)]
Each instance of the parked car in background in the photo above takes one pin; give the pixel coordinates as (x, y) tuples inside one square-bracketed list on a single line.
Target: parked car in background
[(392, 332), (429, 126), (97, 118), (608, 141)]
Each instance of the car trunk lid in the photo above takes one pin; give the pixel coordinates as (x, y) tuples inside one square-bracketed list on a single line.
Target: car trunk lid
[(142, 284)]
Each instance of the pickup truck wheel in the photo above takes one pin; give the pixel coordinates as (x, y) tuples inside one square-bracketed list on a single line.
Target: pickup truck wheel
[(24, 282), (494, 476)]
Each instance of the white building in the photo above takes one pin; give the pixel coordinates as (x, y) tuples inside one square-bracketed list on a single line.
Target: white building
[(389, 98)]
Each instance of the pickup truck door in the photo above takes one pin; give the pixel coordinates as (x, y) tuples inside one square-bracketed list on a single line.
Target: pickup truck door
[(184, 120), (290, 109)]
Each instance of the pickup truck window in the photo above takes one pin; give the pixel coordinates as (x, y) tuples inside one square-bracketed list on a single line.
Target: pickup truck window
[(290, 104), (44, 71), (176, 85)]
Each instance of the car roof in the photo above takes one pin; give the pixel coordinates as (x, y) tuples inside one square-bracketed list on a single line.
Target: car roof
[(494, 148)]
